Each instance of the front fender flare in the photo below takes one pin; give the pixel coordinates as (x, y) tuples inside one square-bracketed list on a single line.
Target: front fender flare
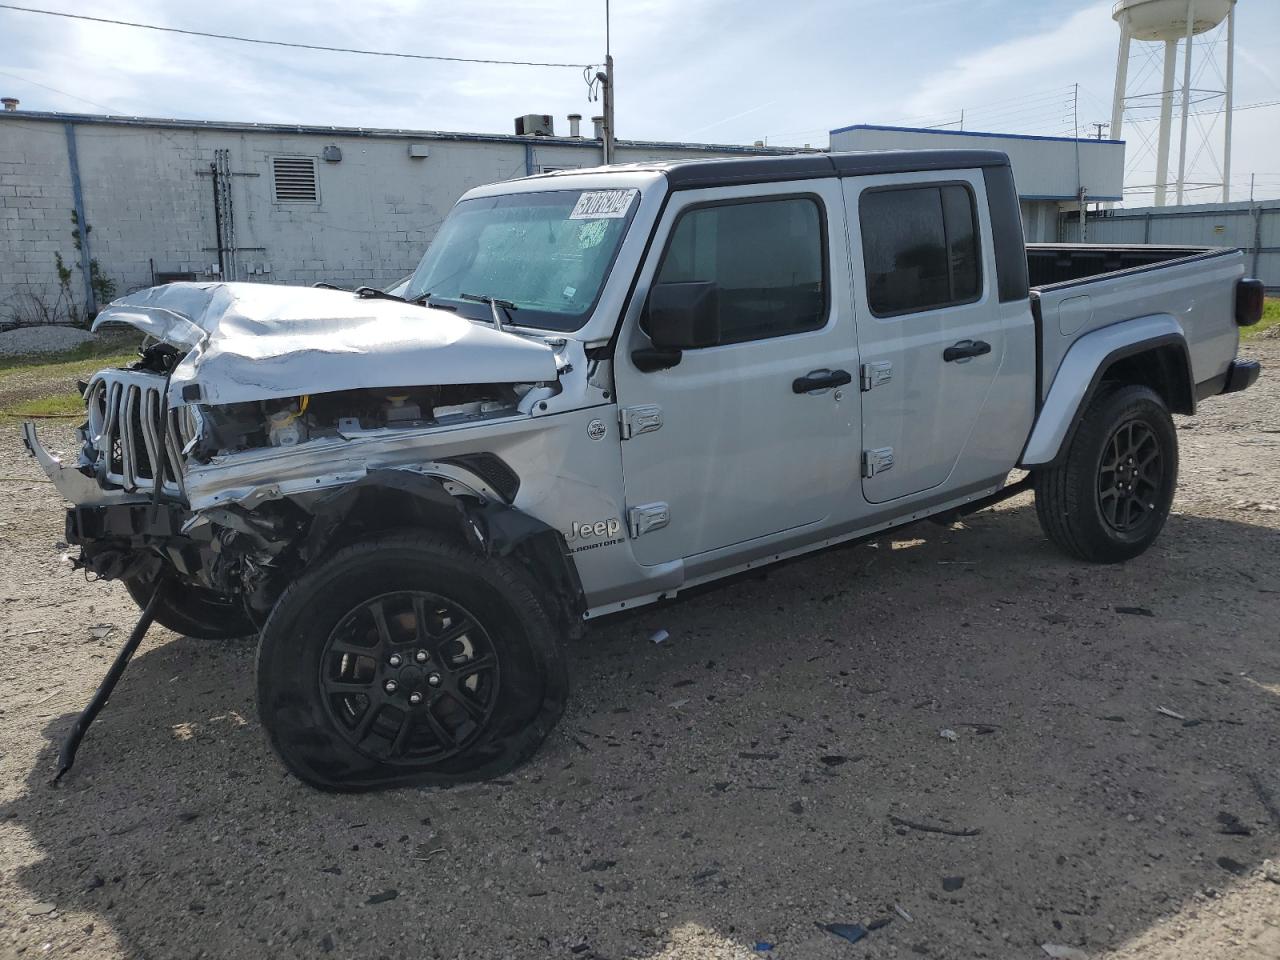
[(490, 527), (1080, 373)]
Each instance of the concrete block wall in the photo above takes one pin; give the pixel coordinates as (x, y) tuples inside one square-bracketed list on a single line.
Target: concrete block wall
[(148, 197), (36, 208)]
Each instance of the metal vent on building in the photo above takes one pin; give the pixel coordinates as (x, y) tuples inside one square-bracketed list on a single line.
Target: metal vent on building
[(294, 180)]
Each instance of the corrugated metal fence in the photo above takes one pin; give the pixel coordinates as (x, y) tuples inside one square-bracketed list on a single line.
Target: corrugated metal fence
[(1253, 227)]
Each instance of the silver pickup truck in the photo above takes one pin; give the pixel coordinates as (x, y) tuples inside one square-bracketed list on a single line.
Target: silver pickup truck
[(601, 388)]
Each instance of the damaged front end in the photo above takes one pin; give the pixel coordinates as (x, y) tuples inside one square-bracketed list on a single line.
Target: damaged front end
[(268, 425)]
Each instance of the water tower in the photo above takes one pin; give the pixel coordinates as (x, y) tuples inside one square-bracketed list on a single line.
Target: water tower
[(1196, 26)]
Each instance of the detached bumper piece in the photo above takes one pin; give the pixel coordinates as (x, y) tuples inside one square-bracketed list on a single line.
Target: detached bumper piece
[(70, 745), (1241, 375)]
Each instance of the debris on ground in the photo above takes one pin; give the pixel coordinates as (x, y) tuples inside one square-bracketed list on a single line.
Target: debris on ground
[(933, 828), (384, 896), (1061, 951), (100, 631), (1232, 826), (948, 734), (1135, 611), (763, 946), (853, 932), (1170, 713), (902, 913), (659, 636), (1271, 870), (952, 884), (1231, 866)]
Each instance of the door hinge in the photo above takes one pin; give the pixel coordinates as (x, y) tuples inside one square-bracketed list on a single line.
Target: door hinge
[(646, 517), (633, 421), (876, 461), (874, 374)]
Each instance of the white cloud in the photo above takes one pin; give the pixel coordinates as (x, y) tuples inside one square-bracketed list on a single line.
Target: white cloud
[(726, 70)]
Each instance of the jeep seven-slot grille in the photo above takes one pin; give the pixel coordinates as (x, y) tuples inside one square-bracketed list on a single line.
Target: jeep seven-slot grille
[(131, 432)]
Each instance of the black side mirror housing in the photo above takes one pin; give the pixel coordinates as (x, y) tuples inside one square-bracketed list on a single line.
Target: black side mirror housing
[(683, 316)]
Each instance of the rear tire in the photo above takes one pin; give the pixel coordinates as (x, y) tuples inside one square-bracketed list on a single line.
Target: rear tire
[(1109, 497), (194, 611), (407, 659)]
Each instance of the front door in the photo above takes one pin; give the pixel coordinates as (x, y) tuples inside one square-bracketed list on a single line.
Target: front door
[(929, 325), (732, 443)]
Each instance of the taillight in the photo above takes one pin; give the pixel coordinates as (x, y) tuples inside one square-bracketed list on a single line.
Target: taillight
[(1250, 299)]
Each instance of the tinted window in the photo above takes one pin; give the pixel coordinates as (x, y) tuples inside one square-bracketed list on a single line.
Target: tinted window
[(920, 248), (767, 259)]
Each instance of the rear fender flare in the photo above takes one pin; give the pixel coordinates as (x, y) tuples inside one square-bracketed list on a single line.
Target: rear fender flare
[(1081, 372)]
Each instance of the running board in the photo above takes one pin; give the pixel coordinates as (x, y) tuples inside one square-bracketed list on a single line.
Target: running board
[(951, 516)]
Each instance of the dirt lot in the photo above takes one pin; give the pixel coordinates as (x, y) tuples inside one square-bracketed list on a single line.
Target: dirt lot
[(732, 786)]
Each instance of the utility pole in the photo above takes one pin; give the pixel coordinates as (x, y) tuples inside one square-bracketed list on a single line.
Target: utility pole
[(1098, 128), (606, 82)]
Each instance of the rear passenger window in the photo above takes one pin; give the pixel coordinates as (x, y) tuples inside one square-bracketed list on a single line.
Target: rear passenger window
[(767, 257), (919, 248)]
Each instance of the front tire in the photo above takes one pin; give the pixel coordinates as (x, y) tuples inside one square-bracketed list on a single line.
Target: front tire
[(407, 659), (1109, 498)]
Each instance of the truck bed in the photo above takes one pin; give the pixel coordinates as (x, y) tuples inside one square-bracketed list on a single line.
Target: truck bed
[(1050, 264), (1079, 288)]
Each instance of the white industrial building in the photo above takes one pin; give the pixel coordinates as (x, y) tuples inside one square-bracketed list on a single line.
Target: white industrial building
[(182, 199), (1050, 172)]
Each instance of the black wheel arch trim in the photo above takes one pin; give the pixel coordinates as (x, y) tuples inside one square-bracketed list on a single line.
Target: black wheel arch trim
[(390, 498), (1137, 348)]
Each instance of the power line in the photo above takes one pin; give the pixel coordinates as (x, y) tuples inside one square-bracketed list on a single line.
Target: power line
[(284, 43), (56, 90)]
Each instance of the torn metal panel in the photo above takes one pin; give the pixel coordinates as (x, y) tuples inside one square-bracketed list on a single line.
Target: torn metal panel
[(252, 341)]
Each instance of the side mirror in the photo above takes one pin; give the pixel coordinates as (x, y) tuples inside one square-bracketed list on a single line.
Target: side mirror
[(683, 316)]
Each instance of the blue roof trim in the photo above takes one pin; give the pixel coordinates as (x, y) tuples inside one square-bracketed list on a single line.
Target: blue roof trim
[(970, 133), (1068, 198)]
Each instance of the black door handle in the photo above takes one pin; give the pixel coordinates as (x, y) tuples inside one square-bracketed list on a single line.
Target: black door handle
[(966, 349), (821, 380)]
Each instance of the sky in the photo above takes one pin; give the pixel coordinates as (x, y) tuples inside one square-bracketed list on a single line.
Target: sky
[(719, 71)]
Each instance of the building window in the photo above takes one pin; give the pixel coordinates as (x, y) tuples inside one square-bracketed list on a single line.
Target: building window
[(919, 248), (767, 257), (293, 180)]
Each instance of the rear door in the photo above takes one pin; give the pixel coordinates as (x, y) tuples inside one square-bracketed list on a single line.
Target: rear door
[(929, 325), (724, 448)]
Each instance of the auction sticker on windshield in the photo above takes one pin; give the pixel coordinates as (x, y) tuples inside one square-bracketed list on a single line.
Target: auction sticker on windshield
[(602, 204)]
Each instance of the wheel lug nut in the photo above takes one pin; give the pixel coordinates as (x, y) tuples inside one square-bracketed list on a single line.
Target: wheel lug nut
[(415, 698), (420, 656), (395, 660), (434, 679), (390, 686)]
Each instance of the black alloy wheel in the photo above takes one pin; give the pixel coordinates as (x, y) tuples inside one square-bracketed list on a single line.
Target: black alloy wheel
[(1130, 477), (410, 677)]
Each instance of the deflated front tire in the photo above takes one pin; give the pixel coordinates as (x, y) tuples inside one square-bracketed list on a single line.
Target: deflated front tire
[(408, 659)]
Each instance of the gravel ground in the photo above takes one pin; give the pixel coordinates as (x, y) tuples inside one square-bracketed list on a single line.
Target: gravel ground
[(735, 785), (44, 339)]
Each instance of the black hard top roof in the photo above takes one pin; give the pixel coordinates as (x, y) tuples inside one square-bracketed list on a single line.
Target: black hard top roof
[(690, 174)]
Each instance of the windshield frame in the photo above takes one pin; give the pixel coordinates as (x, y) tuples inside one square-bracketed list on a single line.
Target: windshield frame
[(527, 316)]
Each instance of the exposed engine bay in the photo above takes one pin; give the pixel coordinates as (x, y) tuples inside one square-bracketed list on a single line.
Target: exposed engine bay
[(215, 462)]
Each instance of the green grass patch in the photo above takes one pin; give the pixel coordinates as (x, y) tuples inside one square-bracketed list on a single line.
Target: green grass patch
[(53, 407), (94, 354), (1270, 318), (44, 385)]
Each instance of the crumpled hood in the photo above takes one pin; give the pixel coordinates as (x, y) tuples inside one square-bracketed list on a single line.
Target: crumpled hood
[(257, 341)]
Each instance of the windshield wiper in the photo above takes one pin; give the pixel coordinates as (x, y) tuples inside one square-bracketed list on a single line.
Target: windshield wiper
[(494, 303), (373, 293)]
